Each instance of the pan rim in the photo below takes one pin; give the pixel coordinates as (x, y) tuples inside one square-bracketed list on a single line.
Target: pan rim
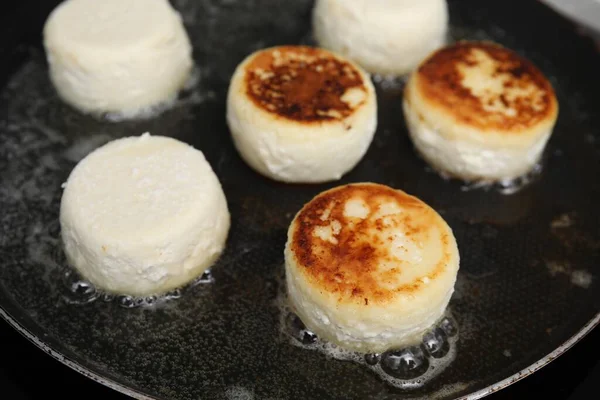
[(122, 388)]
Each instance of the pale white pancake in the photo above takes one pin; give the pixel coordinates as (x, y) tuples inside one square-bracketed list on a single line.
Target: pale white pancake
[(117, 56), (143, 215), (387, 37)]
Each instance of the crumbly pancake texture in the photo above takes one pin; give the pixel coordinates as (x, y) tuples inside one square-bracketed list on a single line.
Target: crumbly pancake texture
[(370, 267), (143, 215), (128, 58), (389, 37), (480, 112), (304, 84), (301, 114), (486, 87)]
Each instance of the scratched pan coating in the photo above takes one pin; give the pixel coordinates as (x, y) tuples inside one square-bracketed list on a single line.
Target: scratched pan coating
[(527, 287)]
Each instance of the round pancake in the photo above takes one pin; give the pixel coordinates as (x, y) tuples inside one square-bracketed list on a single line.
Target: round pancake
[(128, 58), (369, 267), (304, 84), (301, 114), (480, 112), (387, 37), (500, 96), (143, 215)]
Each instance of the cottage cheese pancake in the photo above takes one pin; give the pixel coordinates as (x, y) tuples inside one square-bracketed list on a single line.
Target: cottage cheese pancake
[(479, 111), (117, 56), (387, 37), (368, 267), (143, 215), (301, 114)]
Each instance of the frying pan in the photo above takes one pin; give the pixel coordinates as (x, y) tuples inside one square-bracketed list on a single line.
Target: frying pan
[(526, 292)]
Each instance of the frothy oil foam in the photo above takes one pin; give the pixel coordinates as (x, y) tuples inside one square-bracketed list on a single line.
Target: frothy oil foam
[(293, 332)]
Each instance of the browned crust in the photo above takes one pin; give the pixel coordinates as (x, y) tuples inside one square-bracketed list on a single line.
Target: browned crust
[(439, 80), (349, 268), (302, 83)]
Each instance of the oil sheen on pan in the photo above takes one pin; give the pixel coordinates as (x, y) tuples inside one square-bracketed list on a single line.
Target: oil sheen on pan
[(227, 334)]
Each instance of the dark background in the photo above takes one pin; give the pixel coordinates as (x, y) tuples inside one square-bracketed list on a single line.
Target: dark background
[(27, 373)]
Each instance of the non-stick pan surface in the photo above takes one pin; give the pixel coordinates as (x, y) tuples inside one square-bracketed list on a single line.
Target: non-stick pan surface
[(527, 287)]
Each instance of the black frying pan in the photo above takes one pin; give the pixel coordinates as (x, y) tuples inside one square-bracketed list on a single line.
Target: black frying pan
[(526, 292)]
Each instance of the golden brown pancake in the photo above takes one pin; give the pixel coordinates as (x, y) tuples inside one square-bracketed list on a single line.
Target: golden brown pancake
[(301, 114), (486, 86), (365, 260), (303, 83), (479, 112), (349, 267)]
